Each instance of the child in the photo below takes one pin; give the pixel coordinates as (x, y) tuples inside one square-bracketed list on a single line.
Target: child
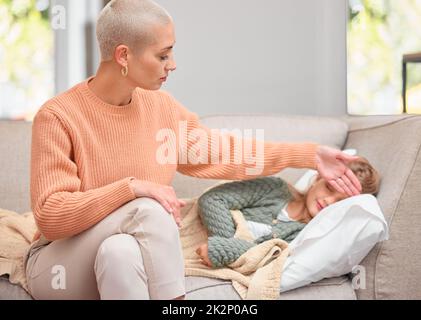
[(272, 209)]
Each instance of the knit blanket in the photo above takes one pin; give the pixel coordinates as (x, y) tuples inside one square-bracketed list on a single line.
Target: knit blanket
[(255, 275), (16, 233)]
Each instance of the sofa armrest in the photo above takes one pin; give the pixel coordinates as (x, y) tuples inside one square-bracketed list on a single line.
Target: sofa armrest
[(392, 144)]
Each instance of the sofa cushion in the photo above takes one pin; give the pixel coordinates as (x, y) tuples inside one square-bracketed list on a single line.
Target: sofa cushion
[(15, 147), (201, 288), (339, 288), (9, 291), (288, 128)]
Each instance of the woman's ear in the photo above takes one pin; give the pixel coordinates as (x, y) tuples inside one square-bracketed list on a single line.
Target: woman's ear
[(121, 55)]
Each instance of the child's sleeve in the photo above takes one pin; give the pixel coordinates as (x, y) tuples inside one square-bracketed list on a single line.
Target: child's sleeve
[(215, 204), (286, 231), (224, 251)]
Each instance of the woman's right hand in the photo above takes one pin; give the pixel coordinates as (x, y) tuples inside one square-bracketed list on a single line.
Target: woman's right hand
[(165, 195)]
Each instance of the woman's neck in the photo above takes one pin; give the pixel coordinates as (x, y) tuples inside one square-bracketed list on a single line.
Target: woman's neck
[(110, 86)]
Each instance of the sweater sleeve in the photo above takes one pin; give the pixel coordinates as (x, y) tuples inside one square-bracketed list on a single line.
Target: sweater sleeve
[(215, 207), (242, 159), (224, 251), (266, 195), (60, 208)]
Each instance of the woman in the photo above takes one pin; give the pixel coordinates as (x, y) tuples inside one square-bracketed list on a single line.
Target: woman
[(100, 193)]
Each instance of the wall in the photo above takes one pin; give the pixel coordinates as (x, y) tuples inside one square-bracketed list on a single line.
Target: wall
[(76, 49), (272, 56), (236, 56)]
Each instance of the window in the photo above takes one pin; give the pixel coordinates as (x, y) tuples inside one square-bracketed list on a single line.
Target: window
[(380, 32), (46, 47), (26, 57)]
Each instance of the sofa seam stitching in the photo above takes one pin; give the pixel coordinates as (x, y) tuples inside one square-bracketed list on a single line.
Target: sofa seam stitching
[(271, 115), (210, 286), (384, 124)]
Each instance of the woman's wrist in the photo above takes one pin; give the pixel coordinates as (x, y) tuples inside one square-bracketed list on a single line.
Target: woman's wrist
[(131, 184)]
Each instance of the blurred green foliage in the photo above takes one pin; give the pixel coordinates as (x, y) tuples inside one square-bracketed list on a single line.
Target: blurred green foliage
[(26, 57), (378, 36)]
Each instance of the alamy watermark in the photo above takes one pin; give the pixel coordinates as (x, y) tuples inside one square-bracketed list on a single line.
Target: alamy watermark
[(58, 282), (359, 280), (212, 146), (58, 17)]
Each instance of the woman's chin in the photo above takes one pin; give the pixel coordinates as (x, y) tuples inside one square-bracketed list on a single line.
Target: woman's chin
[(150, 87), (155, 87)]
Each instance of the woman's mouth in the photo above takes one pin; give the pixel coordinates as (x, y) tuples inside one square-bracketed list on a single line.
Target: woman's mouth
[(163, 79)]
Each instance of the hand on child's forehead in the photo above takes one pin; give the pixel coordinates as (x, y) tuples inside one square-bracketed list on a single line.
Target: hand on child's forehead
[(331, 189)]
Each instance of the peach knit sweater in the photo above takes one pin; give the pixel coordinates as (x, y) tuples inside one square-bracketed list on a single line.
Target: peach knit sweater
[(85, 152)]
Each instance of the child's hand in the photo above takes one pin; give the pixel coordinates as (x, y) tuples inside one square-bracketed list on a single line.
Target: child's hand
[(202, 251)]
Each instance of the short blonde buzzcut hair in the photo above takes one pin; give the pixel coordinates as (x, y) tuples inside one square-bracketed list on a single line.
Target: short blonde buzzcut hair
[(128, 22)]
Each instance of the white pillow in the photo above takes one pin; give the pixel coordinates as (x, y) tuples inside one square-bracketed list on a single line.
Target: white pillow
[(335, 241), (306, 180)]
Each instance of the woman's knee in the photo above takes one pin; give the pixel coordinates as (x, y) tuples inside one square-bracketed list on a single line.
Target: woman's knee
[(119, 269), (151, 213)]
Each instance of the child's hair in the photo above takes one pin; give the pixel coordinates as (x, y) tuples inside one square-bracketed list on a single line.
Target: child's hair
[(366, 174)]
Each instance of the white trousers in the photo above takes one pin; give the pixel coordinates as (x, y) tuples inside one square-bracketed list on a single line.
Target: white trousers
[(133, 253)]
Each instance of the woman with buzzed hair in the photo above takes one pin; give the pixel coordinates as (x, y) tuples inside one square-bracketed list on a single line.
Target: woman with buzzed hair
[(101, 195)]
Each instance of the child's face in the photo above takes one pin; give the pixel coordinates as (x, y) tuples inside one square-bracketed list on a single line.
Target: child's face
[(320, 195)]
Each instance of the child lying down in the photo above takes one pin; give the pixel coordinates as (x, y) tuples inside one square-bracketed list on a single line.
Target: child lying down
[(272, 209)]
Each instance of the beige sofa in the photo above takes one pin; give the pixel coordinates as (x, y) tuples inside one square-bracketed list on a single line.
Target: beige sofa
[(391, 143)]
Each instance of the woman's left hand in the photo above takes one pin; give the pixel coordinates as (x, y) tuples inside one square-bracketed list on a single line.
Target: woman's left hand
[(332, 166)]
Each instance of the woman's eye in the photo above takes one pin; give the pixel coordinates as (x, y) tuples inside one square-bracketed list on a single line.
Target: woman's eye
[(164, 58)]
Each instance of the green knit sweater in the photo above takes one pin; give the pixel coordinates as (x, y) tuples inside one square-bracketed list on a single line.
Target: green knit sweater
[(260, 200)]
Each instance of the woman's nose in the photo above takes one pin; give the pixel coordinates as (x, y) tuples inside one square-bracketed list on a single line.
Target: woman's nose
[(171, 65)]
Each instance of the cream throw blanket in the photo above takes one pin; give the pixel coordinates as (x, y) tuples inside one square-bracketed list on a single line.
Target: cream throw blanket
[(16, 233), (255, 275)]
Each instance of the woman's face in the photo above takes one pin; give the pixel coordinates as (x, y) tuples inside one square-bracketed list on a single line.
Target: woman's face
[(150, 69), (320, 195)]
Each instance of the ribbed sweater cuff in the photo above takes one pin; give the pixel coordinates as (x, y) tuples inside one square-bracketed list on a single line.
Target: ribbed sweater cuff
[(118, 194), (112, 197)]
